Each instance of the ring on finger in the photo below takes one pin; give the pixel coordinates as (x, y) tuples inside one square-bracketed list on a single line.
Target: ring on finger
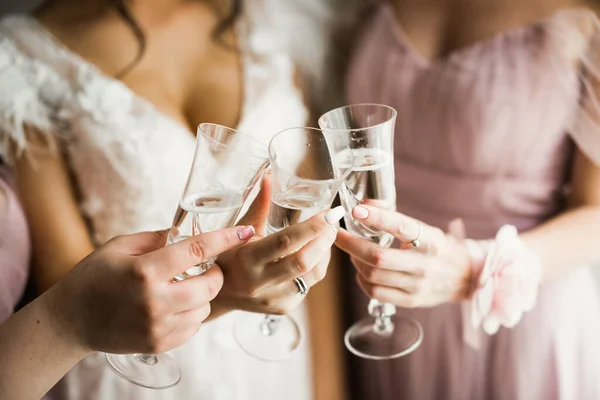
[(302, 286), (416, 242)]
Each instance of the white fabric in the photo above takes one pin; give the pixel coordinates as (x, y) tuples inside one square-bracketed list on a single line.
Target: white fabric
[(130, 162)]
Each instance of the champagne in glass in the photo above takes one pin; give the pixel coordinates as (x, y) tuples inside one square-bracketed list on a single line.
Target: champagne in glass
[(227, 166), (297, 204), (308, 168), (203, 212), (369, 132), (369, 182)]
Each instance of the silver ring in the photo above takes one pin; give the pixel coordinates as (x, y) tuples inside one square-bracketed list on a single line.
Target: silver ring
[(302, 286), (417, 241)]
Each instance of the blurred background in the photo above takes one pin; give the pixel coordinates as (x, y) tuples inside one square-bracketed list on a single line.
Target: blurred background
[(8, 6)]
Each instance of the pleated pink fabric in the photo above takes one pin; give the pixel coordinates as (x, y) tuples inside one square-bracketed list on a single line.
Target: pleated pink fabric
[(487, 134)]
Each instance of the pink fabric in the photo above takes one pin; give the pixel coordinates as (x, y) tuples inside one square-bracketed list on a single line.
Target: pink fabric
[(483, 135), (14, 249)]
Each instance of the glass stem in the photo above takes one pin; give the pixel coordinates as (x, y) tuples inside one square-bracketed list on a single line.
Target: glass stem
[(269, 325), (383, 313), (148, 359)]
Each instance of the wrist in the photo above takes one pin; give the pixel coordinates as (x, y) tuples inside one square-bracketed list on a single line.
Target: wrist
[(477, 251), (63, 320)]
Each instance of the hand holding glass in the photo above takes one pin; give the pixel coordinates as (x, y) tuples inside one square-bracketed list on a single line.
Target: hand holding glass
[(369, 132), (308, 168), (227, 166)]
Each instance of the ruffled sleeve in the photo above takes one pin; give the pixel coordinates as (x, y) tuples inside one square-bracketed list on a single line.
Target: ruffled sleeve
[(578, 34), (29, 95)]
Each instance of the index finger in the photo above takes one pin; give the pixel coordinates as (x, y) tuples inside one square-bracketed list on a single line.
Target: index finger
[(178, 257), (290, 239)]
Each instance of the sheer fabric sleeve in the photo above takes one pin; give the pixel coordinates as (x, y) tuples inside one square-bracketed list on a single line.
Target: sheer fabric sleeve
[(578, 33), (29, 91)]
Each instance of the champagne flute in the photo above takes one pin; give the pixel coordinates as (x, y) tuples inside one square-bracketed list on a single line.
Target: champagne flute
[(227, 166), (308, 168), (369, 130)]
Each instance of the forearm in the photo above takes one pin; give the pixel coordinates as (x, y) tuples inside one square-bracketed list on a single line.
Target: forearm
[(36, 352), (566, 241)]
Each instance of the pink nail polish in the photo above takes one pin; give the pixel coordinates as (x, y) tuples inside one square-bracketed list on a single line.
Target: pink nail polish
[(360, 212), (246, 233)]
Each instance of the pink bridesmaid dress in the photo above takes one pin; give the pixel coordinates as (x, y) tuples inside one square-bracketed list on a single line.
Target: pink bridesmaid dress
[(14, 248), (487, 134)]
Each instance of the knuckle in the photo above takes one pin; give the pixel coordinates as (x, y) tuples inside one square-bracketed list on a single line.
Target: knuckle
[(379, 219), (315, 226), (371, 273), (197, 249), (252, 291), (320, 273), (245, 255), (150, 310), (299, 263), (213, 287), (438, 234), (215, 281), (140, 272), (377, 257), (116, 241), (373, 291), (203, 314), (226, 239), (283, 242), (405, 227)]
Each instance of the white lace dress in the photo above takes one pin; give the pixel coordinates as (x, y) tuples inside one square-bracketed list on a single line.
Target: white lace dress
[(130, 163)]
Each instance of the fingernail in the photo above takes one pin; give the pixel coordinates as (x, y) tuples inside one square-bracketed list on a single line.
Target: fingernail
[(246, 233), (360, 212), (334, 216)]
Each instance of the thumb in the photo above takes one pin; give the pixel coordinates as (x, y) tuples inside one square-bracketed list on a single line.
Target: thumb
[(259, 210)]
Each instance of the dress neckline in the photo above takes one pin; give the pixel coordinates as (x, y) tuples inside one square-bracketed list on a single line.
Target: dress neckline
[(402, 38), (79, 61)]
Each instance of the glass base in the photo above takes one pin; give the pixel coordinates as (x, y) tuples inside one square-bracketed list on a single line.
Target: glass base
[(158, 371), (401, 337), (267, 337)]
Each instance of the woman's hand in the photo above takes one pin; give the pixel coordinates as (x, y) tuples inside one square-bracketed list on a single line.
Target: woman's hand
[(122, 298), (259, 276), (435, 272)]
